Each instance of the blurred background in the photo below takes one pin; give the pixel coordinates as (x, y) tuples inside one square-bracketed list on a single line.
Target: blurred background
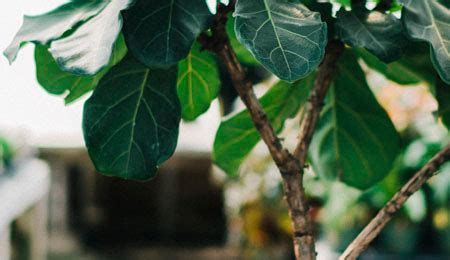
[(53, 205)]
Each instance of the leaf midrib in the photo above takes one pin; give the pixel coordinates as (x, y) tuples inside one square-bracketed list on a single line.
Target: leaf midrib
[(369, 33), (433, 23), (169, 26), (269, 14), (356, 115), (136, 110)]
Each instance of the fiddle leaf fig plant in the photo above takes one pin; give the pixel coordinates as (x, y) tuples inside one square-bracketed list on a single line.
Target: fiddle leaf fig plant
[(152, 63)]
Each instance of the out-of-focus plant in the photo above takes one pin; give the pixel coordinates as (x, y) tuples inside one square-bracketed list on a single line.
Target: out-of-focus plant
[(421, 227), (6, 153)]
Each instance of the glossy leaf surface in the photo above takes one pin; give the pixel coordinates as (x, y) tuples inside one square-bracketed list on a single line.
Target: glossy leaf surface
[(88, 50), (286, 37), (430, 21), (355, 141), (52, 25), (161, 32), (198, 83), (241, 52), (398, 71), (381, 34), (58, 82), (75, 33), (131, 121), (414, 67)]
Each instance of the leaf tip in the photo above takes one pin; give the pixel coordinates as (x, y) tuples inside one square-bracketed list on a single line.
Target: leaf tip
[(10, 53)]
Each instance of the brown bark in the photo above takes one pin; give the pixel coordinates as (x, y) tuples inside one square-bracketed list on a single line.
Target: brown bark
[(377, 224), (316, 98), (290, 167)]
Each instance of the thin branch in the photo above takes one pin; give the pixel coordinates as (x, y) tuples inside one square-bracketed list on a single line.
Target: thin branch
[(219, 44), (316, 98), (375, 226), (289, 167)]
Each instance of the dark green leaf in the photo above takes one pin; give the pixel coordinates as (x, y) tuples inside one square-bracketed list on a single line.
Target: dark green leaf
[(443, 98), (161, 32), (324, 8), (287, 38), (131, 121), (430, 21), (88, 47), (242, 53), (380, 33), (59, 82), (398, 71), (198, 82), (237, 136), (414, 67), (355, 141), (51, 26), (346, 3)]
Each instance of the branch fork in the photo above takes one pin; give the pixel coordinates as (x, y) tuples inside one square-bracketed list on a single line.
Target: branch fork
[(376, 225), (291, 165)]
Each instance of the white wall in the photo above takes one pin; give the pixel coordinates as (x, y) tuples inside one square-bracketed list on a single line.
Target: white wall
[(24, 104), (43, 119)]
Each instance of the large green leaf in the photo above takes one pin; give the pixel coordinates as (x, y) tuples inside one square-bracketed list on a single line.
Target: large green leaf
[(430, 21), (287, 38), (131, 121), (51, 26), (161, 32), (355, 141), (414, 67), (241, 52), (87, 50), (58, 82), (324, 8), (237, 136), (76, 34), (198, 82), (381, 34), (398, 71)]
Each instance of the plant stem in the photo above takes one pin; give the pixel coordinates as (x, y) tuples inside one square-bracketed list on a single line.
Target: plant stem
[(316, 98), (377, 224), (290, 167)]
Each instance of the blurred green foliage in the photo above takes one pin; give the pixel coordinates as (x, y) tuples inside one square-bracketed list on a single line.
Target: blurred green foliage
[(6, 153)]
